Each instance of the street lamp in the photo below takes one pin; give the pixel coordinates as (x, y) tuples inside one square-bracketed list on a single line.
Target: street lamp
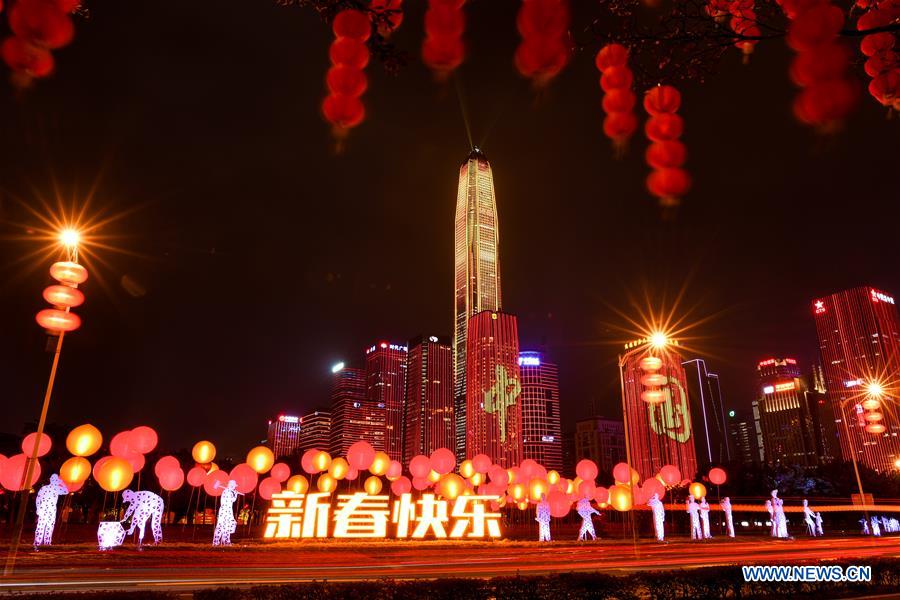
[(874, 391)]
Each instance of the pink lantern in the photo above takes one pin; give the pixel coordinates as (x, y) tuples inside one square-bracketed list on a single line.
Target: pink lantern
[(245, 477), (360, 455), (421, 483), (352, 474), (498, 475), (280, 472), (622, 472), (586, 489), (171, 479), (68, 272), (601, 495), (13, 474), (395, 470), (143, 439), (196, 476), (717, 476), (481, 463), (166, 463), (307, 461), (268, 487), (63, 296), (136, 460), (559, 504), (528, 467), (53, 319), (654, 486), (43, 447), (209, 483), (420, 467), (401, 485), (670, 475), (586, 469), (443, 461), (120, 444), (98, 465)]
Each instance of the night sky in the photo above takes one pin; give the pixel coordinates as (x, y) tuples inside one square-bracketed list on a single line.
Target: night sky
[(255, 257)]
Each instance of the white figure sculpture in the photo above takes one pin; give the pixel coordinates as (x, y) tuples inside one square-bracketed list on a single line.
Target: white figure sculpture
[(45, 503), (780, 518), (895, 525), (659, 517), (704, 518), (771, 512), (865, 526), (819, 530), (143, 506), (225, 523), (876, 527), (585, 510), (810, 517), (729, 521), (542, 516), (693, 509), (110, 534)]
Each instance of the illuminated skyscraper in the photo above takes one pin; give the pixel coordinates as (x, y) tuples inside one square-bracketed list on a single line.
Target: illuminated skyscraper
[(428, 423), (742, 431), (708, 413), (385, 386), (283, 435), (493, 398), (660, 433), (785, 416), (476, 269), (315, 431), (353, 417), (541, 435), (859, 339)]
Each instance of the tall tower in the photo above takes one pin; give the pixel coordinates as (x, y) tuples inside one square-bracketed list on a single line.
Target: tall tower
[(385, 386), (541, 435), (428, 423), (476, 269)]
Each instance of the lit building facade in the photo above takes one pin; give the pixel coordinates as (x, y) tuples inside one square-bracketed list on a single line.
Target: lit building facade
[(708, 414), (743, 439), (541, 433), (785, 416), (315, 431), (601, 440), (859, 341), (476, 269), (660, 433), (428, 406), (353, 417), (283, 435), (493, 398), (385, 387)]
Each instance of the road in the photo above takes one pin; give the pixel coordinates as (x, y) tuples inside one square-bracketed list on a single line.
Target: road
[(182, 566)]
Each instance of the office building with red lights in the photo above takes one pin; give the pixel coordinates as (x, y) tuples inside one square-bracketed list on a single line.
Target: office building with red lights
[(315, 431), (859, 341), (353, 417), (708, 413), (428, 422), (385, 387), (659, 433), (283, 435), (601, 440), (493, 384), (541, 434)]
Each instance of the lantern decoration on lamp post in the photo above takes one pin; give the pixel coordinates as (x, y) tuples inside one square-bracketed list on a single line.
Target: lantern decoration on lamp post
[(346, 80), (443, 49), (872, 407), (652, 380), (546, 44), (618, 99), (666, 154)]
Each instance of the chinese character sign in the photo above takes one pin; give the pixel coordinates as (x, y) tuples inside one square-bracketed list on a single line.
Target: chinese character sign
[(360, 515)]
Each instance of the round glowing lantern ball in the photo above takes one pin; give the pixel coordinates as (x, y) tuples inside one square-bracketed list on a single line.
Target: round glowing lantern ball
[(196, 476), (268, 487), (401, 485), (586, 469), (360, 455), (372, 485), (670, 475), (621, 472), (443, 461), (203, 452), (114, 474), (420, 467), (245, 477), (338, 468), (451, 486), (326, 483), (135, 459), (536, 489), (171, 479), (84, 440), (215, 482), (499, 476), (12, 476), (280, 472), (394, 470), (620, 498), (307, 461), (697, 490), (651, 363), (120, 444), (421, 483), (42, 448), (586, 489), (559, 504), (380, 463), (321, 461), (261, 459), (352, 474), (166, 463), (481, 463), (466, 469), (528, 468), (75, 470), (143, 439), (601, 495), (297, 484), (717, 476)]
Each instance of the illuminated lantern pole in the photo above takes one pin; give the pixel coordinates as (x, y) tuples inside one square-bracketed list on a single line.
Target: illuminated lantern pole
[(666, 154), (618, 99), (60, 320)]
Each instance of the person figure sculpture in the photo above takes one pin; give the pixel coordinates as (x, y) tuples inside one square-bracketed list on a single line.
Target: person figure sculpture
[(865, 525), (810, 517), (771, 512), (542, 516), (729, 521), (45, 503), (585, 510), (143, 506), (819, 530), (693, 509), (659, 517), (225, 522), (780, 518), (876, 527), (704, 518)]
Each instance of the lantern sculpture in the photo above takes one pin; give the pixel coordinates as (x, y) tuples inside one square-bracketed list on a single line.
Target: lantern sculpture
[(666, 154), (60, 319), (883, 62), (618, 99), (84, 440), (43, 447), (697, 490), (114, 474), (203, 452), (546, 44), (75, 471), (261, 459), (38, 27), (297, 484), (652, 381), (443, 49), (743, 23), (717, 476), (12, 477), (346, 80)]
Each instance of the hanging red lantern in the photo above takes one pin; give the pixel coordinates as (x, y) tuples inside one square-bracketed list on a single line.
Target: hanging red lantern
[(63, 296), (443, 49), (666, 154), (352, 24), (345, 80), (55, 320), (546, 45), (68, 272), (883, 64), (742, 23), (349, 52), (39, 26), (618, 99), (28, 59), (390, 15)]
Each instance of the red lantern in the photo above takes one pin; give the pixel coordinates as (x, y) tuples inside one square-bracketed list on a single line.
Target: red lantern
[(717, 476), (586, 469), (343, 111), (43, 446), (12, 476), (63, 296), (143, 439), (280, 472), (171, 479), (443, 49), (349, 52), (352, 24), (401, 485), (481, 463), (245, 477), (559, 504), (360, 455), (611, 55), (166, 463), (670, 475), (443, 461), (545, 46), (24, 57), (120, 444), (214, 482), (41, 23), (663, 99), (419, 467), (347, 81), (668, 184), (68, 272), (196, 476), (53, 319), (618, 100)]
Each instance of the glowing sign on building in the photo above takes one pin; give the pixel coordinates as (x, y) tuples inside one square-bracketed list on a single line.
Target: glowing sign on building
[(853, 383), (672, 417), (881, 296), (819, 307), (288, 419), (785, 387), (361, 515), (769, 389), (529, 360)]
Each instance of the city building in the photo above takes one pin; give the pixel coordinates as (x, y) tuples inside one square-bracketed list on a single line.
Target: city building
[(493, 398), (660, 432), (826, 434), (353, 417), (283, 435), (743, 438), (315, 431), (708, 415), (428, 423), (476, 269), (541, 434), (601, 440), (859, 342), (385, 386)]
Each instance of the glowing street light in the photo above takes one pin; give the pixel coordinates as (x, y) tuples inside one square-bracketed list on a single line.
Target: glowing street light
[(659, 339), (69, 238), (875, 389)]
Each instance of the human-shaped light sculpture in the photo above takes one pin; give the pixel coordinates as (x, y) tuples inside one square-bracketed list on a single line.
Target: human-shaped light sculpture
[(771, 510), (693, 509), (819, 530), (729, 520), (110, 534), (659, 517), (810, 518), (45, 503), (225, 522), (780, 518), (585, 510), (704, 518), (143, 506), (876, 526), (542, 516), (865, 525)]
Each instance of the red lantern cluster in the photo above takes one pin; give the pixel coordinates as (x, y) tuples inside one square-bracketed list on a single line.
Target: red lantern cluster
[(883, 62), (63, 297), (390, 13), (820, 67), (743, 23), (38, 27), (443, 49), (618, 99), (346, 80), (546, 44), (666, 154)]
